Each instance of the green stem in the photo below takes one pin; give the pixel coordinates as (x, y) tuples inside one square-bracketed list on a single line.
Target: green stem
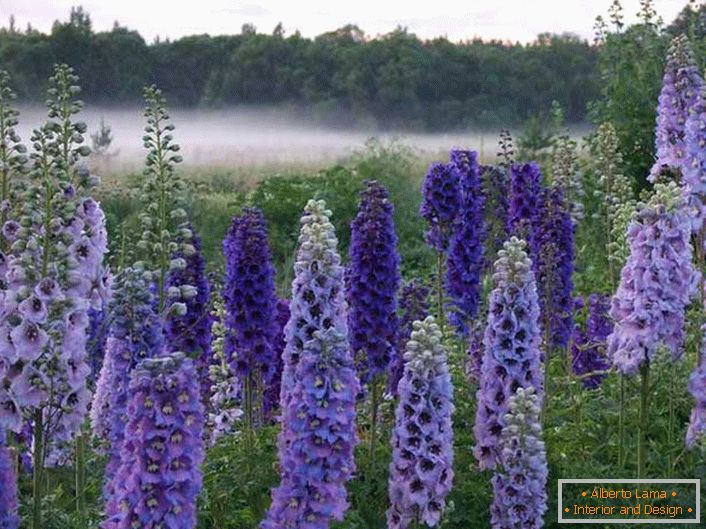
[(644, 404), (374, 405), (81, 476), (37, 477)]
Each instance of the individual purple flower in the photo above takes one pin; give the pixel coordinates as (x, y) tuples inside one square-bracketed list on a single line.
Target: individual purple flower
[(250, 303), (588, 346), (496, 191), (465, 261), (421, 471), (525, 180), (414, 303), (8, 487), (681, 85), (656, 283), (371, 284), (552, 250), (520, 481), (511, 355), (190, 333), (159, 480), (441, 199)]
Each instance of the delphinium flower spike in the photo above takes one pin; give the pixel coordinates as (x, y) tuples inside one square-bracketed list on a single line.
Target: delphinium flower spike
[(511, 355), (520, 481), (694, 168), (159, 479), (13, 155), (525, 182), (567, 175), (441, 199), (496, 189), (421, 471), (588, 346), (8, 486), (273, 391), (696, 433), (465, 261)]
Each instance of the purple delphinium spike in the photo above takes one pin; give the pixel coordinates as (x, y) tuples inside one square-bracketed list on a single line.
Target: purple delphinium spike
[(272, 392), (371, 284), (441, 199), (496, 191), (8, 487), (190, 333), (552, 250), (511, 355), (250, 303), (159, 480), (694, 168), (421, 471), (135, 333), (525, 180), (656, 283), (465, 260), (588, 346), (520, 481), (315, 445), (696, 433), (100, 405), (414, 303), (97, 334), (680, 87)]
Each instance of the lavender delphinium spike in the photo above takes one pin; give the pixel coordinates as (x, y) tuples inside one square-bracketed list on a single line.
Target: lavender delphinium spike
[(371, 284), (465, 260), (191, 332), (525, 182), (414, 303), (273, 391), (421, 471), (696, 433), (441, 199), (8, 487), (680, 87), (694, 167), (656, 283), (511, 355), (250, 303), (520, 481), (588, 346), (159, 480), (496, 192), (552, 246)]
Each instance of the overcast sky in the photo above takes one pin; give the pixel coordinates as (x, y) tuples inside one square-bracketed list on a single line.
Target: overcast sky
[(512, 20)]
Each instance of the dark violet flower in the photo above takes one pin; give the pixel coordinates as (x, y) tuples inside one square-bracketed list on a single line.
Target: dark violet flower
[(250, 303), (159, 480), (414, 303), (441, 199), (496, 189), (465, 261), (552, 246), (681, 85), (190, 333), (8, 487), (520, 481), (656, 283), (511, 355), (588, 346), (525, 180), (372, 282), (421, 471)]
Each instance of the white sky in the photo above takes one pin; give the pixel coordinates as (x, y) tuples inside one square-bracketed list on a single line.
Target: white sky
[(516, 20)]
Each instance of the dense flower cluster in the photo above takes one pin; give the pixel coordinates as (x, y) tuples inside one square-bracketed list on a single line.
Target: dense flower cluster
[(511, 355), (553, 264), (414, 303), (441, 199), (694, 169), (680, 87), (656, 283), (519, 483), (496, 190), (371, 284), (525, 180), (421, 471), (159, 478), (588, 346), (8, 487), (567, 175), (250, 303), (465, 261), (190, 333)]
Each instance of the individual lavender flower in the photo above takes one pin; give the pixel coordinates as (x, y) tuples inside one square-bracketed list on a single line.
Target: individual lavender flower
[(441, 199), (421, 471), (680, 88), (524, 197), (589, 346), (567, 175), (656, 283), (320, 418), (465, 261), (552, 247), (191, 332), (159, 479), (8, 487), (372, 282), (511, 357), (496, 192), (520, 481), (250, 302), (414, 303)]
